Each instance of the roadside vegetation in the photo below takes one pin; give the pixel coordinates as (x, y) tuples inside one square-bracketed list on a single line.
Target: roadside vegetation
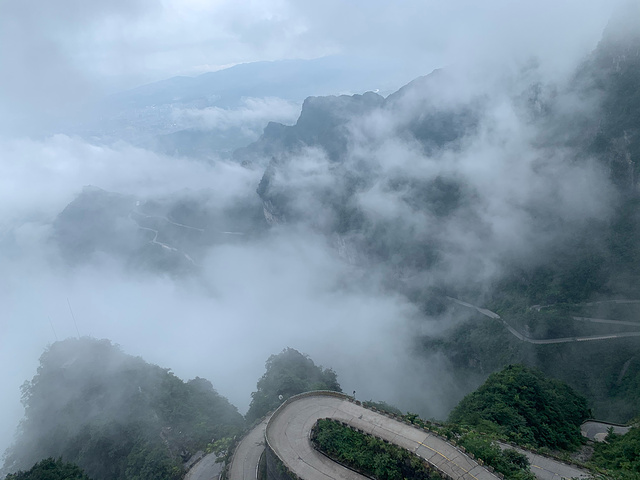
[(619, 456), (288, 373), (509, 462), (367, 454), (50, 469), (520, 404), (115, 417)]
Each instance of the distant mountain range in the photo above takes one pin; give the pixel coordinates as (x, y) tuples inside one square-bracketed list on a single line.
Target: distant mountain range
[(150, 115), (511, 196)]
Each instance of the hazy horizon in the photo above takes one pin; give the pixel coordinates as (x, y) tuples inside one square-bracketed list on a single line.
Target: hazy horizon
[(287, 287)]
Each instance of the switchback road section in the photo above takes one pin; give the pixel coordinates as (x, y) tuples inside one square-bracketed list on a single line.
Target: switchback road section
[(289, 430), (287, 433)]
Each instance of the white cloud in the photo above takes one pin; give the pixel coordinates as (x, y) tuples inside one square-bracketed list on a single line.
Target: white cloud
[(39, 178), (251, 116), (252, 299)]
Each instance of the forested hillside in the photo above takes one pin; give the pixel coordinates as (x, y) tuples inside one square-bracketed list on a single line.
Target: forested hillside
[(524, 406), (535, 219), (116, 416), (288, 373), (50, 469)]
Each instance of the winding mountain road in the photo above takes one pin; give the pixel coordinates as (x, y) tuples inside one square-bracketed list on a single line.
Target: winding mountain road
[(598, 431), (287, 434), (244, 464), (548, 341), (545, 468), (205, 469)]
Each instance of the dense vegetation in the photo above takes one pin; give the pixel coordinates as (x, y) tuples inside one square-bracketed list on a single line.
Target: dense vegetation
[(50, 469), (288, 373), (598, 262), (524, 406), (116, 416), (367, 454), (512, 464), (592, 120), (620, 455)]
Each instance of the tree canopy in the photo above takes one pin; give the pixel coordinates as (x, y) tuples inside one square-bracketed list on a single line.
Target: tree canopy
[(620, 455), (288, 373), (521, 404), (115, 415), (50, 469)]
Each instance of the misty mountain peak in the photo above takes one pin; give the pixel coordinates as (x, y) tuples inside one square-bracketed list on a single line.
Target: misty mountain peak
[(623, 28), (316, 111)]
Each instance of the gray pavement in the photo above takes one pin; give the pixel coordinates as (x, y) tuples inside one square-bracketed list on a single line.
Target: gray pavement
[(548, 341), (244, 464), (289, 430), (545, 468), (598, 430), (205, 469)]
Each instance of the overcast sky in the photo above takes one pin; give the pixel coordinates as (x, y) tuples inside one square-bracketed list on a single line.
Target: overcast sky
[(55, 53)]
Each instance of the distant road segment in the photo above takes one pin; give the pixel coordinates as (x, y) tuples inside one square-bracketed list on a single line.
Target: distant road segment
[(598, 431), (548, 341)]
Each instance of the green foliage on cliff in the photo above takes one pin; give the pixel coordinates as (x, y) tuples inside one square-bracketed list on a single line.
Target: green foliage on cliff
[(367, 454), (50, 469), (521, 404), (288, 373), (115, 415), (512, 464), (620, 455)]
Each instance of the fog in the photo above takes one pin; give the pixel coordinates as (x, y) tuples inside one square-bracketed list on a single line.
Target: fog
[(289, 285)]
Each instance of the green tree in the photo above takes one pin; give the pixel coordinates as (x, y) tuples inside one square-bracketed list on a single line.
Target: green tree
[(367, 454), (50, 469), (521, 404), (620, 454), (115, 415), (288, 373)]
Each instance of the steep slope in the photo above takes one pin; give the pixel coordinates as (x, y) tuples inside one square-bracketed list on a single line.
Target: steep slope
[(114, 415), (512, 193), (526, 407), (167, 234)]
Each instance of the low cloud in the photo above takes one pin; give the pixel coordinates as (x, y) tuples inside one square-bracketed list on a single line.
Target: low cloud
[(251, 299), (253, 114), (290, 286)]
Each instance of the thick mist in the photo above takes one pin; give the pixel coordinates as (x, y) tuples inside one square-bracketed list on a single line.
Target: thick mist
[(291, 284), (251, 298)]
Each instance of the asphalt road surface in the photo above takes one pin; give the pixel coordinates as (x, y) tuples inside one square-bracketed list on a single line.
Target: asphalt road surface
[(548, 341), (288, 433), (545, 468), (244, 464), (205, 469), (598, 430), (289, 430)]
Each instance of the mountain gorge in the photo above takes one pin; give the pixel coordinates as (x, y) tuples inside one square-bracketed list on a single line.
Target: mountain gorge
[(510, 194), (509, 191)]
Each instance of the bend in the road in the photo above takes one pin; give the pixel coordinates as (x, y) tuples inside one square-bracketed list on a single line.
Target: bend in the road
[(288, 432), (246, 456), (549, 341)]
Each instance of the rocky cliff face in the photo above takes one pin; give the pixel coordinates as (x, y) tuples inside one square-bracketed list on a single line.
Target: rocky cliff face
[(395, 178), (612, 75), (169, 234), (323, 123)]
